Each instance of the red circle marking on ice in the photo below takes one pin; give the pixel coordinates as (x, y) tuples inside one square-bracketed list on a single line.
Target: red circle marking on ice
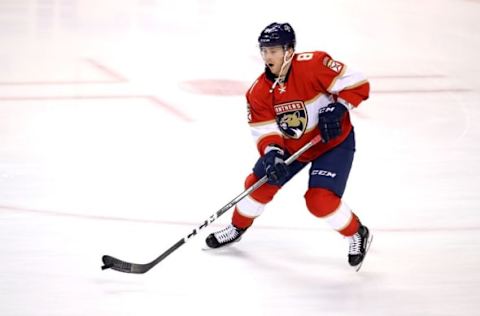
[(216, 87)]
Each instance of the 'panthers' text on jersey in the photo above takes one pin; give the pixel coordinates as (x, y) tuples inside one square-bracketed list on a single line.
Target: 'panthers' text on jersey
[(288, 116)]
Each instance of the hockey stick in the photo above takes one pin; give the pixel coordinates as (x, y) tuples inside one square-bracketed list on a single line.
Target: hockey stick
[(127, 267)]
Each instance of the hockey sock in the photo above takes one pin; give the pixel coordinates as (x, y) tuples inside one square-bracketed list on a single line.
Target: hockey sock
[(241, 221)]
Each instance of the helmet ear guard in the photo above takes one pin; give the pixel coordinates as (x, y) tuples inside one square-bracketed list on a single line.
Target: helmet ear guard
[(277, 34)]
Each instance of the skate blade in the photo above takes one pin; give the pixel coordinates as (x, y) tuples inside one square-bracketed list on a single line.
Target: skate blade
[(205, 247), (369, 242)]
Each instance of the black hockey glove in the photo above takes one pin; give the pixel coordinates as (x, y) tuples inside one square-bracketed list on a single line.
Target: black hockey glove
[(330, 121), (275, 166)]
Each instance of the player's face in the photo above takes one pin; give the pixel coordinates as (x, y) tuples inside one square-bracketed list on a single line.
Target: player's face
[(273, 58)]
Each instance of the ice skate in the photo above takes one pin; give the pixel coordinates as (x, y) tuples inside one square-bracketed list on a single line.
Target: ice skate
[(359, 245), (224, 237)]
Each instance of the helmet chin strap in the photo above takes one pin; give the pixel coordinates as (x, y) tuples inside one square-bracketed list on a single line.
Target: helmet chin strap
[(281, 77)]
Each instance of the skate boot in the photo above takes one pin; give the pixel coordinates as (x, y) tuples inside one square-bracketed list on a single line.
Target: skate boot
[(359, 245), (224, 237)]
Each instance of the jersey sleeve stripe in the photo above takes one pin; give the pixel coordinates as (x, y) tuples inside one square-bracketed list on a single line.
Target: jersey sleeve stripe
[(348, 79), (260, 124), (358, 84), (266, 140)]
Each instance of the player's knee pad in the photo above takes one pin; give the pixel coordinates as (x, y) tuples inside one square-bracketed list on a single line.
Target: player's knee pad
[(321, 202)]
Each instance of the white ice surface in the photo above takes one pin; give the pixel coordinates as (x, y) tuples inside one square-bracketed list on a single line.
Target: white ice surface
[(105, 150)]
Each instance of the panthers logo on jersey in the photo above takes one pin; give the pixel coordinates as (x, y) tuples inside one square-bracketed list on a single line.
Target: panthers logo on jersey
[(292, 118)]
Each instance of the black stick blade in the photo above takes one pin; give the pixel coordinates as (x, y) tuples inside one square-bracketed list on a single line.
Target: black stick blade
[(116, 264)]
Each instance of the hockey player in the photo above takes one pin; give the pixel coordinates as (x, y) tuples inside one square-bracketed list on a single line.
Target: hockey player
[(299, 96)]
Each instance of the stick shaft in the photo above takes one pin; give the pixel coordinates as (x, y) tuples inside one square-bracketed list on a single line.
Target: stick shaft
[(123, 266)]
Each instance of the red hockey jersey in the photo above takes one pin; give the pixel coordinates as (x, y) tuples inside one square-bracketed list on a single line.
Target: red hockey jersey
[(288, 115)]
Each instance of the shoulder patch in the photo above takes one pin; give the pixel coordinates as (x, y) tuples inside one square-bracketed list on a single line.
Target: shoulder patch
[(332, 64)]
